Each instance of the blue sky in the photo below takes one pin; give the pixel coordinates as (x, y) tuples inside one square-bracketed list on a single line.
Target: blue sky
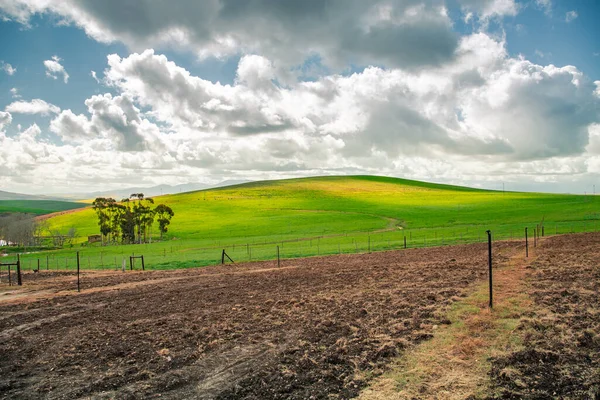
[(268, 54)]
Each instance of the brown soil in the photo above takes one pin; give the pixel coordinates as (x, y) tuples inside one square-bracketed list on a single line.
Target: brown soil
[(317, 328), (561, 335)]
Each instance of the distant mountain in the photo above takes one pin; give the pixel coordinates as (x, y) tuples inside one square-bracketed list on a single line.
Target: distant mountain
[(20, 196), (153, 191)]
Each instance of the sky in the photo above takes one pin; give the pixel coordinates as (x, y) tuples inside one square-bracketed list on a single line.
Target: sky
[(99, 95)]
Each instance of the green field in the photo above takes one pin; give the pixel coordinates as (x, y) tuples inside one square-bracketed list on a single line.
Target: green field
[(325, 215), (37, 207)]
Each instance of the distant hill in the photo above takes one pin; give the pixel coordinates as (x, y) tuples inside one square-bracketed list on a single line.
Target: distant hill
[(153, 191), (37, 207), (20, 196)]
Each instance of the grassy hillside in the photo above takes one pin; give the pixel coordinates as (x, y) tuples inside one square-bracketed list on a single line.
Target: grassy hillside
[(329, 215), (37, 207)]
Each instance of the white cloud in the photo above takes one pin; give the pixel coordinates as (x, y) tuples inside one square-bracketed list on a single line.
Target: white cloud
[(486, 9), (115, 124), (5, 120), (35, 106), (571, 16), (545, 5), (54, 69), (15, 93), (6, 67), (93, 75)]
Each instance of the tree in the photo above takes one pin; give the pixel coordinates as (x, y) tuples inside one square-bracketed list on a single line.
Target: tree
[(131, 219), (127, 223), (164, 214), (101, 206), (18, 228)]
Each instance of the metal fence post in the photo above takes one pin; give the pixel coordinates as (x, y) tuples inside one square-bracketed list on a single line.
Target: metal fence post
[(489, 233), (19, 281), (78, 272)]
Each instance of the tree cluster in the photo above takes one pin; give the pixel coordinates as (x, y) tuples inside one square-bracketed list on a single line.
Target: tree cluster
[(18, 229), (130, 221)]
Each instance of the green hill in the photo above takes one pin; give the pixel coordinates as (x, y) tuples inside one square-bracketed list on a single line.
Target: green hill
[(37, 207), (325, 215)]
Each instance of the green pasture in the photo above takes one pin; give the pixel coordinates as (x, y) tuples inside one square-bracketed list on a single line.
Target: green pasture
[(37, 207), (324, 215)]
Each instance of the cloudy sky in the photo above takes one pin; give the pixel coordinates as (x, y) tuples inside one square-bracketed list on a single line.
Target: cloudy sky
[(108, 94)]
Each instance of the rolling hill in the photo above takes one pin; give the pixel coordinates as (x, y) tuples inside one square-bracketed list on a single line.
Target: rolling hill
[(325, 215), (20, 196), (37, 207)]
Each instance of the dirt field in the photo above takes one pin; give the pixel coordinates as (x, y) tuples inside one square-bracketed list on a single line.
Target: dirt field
[(315, 328), (561, 336)]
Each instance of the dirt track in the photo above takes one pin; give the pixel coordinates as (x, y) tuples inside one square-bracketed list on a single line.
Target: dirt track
[(316, 328)]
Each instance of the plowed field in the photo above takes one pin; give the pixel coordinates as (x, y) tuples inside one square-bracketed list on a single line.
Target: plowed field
[(317, 328)]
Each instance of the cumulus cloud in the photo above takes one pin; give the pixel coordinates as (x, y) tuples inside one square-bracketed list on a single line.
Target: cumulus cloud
[(484, 104), (54, 69), (15, 93), (6, 67), (484, 112), (35, 106), (408, 33), (5, 120), (115, 123), (571, 16)]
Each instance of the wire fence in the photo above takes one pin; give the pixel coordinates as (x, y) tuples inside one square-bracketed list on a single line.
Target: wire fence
[(171, 255)]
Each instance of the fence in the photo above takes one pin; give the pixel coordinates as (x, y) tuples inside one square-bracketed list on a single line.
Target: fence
[(182, 254)]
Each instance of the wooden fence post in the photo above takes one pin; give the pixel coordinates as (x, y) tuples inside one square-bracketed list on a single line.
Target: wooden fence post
[(526, 244)]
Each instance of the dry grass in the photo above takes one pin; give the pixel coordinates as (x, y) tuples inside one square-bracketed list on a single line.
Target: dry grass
[(454, 364)]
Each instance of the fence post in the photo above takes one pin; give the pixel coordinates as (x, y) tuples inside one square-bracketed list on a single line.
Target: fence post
[(405, 241), (19, 281), (277, 256), (131, 263), (223, 257), (143, 266), (489, 233), (526, 244), (47, 263), (78, 272), (38, 265)]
